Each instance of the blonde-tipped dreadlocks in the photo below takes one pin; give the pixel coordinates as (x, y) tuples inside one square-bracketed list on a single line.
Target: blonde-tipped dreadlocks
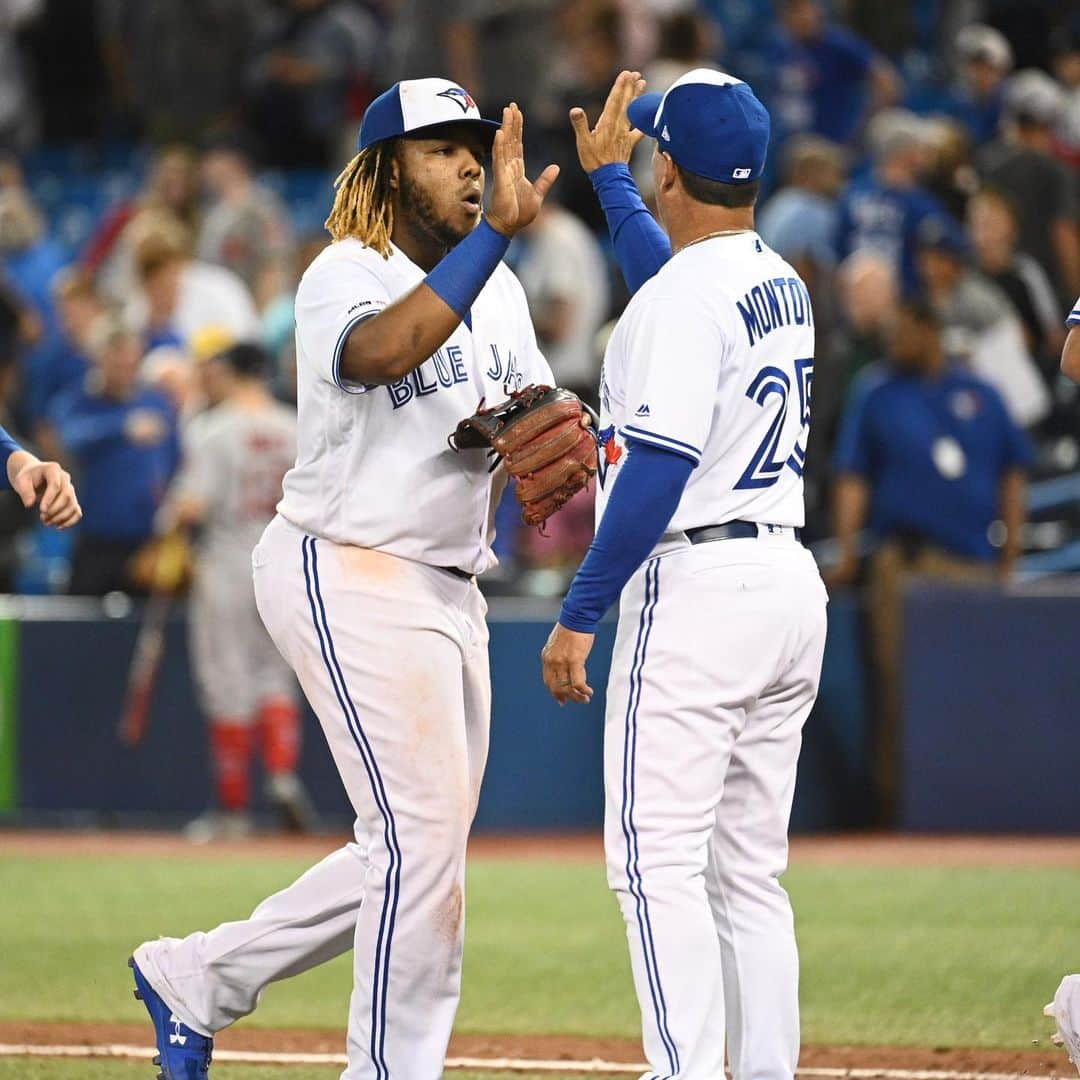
[(362, 205)]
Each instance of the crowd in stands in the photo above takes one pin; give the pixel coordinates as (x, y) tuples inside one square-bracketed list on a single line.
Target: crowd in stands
[(166, 167)]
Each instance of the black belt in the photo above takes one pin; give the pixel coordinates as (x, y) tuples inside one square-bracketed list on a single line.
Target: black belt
[(733, 530), (465, 575)]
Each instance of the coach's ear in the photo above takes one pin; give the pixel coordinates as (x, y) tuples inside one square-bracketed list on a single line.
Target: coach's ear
[(666, 174)]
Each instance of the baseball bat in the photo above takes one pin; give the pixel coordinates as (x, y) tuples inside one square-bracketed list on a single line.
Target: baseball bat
[(150, 641)]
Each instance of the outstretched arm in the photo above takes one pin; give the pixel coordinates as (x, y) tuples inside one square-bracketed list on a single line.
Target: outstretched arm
[(641, 246)]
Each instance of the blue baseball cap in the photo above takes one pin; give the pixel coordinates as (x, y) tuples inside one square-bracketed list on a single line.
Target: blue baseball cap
[(710, 123), (411, 106)]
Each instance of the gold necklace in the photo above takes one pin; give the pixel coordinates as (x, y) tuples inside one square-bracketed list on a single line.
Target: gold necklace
[(714, 235)]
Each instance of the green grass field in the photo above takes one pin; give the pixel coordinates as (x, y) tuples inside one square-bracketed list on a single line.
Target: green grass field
[(891, 956)]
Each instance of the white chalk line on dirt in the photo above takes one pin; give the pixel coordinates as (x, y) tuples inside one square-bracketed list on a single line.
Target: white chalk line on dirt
[(254, 1057)]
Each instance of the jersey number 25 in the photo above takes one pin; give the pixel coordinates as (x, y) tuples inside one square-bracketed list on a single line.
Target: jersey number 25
[(771, 457)]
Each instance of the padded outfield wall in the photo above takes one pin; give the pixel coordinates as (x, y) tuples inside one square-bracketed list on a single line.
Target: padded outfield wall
[(990, 742)]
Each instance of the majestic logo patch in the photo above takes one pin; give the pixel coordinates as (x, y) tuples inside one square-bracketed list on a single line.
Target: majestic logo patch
[(642, 410), (458, 97)]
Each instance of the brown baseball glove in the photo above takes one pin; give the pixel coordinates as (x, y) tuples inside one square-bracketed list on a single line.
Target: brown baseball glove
[(546, 438)]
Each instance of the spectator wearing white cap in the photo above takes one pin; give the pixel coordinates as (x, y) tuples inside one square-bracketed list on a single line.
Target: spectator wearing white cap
[(1023, 164), (984, 59)]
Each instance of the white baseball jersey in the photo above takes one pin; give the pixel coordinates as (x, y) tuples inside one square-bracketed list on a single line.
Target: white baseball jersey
[(713, 359), (373, 466)]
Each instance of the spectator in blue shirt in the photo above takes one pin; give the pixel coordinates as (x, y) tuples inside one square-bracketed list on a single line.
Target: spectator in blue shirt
[(884, 209), (927, 458), (825, 79), (123, 439), (61, 362), (928, 455)]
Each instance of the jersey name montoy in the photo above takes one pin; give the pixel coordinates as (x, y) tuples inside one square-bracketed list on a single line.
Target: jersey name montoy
[(774, 303)]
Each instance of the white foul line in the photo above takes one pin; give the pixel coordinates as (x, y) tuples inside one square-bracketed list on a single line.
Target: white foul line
[(254, 1057)]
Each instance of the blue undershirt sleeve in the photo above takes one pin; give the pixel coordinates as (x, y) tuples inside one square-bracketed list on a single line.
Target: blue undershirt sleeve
[(642, 502), (8, 446), (641, 246)]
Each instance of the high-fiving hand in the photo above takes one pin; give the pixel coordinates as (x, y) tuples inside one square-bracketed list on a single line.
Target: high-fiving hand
[(515, 199), (613, 139)]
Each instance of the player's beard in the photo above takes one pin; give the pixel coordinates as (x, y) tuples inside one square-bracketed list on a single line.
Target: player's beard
[(419, 207)]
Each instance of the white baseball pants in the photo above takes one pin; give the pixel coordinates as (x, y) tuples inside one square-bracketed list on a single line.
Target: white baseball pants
[(393, 657), (716, 666)]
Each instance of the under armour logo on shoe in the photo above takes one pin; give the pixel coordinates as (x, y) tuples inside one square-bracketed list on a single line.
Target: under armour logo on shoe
[(177, 1037), (642, 410)]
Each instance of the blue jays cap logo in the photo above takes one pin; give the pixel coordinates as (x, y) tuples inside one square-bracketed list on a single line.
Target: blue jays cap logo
[(416, 104), (458, 97)]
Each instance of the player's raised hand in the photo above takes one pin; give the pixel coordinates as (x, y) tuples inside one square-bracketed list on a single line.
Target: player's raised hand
[(613, 139), (515, 199), (563, 659), (48, 485)]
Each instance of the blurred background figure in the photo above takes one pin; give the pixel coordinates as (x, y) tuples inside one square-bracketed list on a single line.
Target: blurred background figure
[(18, 107), (930, 463), (979, 324), (994, 227), (178, 295), (884, 208), (245, 226), (950, 175), (176, 67), (589, 54), (565, 277), (867, 295), (800, 221), (984, 59), (1023, 164), (170, 194), (228, 489), (311, 74), (502, 52), (825, 79), (121, 440)]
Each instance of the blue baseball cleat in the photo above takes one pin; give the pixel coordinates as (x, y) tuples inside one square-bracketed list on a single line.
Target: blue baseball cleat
[(183, 1054)]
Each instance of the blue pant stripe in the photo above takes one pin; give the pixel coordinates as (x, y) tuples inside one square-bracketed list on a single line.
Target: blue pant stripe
[(633, 873), (381, 972)]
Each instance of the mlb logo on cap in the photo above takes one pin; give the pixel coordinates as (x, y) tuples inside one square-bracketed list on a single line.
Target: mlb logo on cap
[(416, 104), (710, 123)]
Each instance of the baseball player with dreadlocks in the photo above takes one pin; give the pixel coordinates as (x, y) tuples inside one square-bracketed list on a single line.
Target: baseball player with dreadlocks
[(366, 582)]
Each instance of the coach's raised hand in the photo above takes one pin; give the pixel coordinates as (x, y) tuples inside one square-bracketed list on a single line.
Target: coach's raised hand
[(613, 139), (515, 199)]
